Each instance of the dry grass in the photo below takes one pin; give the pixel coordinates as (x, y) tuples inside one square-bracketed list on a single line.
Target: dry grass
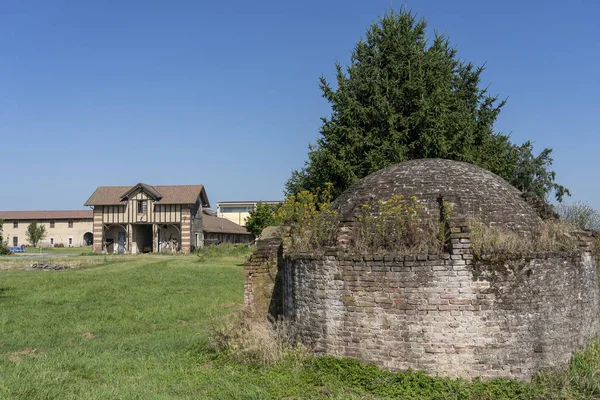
[(251, 339), (422, 237), (549, 236), (399, 225)]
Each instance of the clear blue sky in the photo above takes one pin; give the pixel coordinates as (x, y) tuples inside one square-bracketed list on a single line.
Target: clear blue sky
[(225, 94)]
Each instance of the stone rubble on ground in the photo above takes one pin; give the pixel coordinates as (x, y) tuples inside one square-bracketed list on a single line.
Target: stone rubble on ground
[(46, 267)]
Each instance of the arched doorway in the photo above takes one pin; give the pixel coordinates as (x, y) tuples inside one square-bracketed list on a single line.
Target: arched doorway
[(88, 238)]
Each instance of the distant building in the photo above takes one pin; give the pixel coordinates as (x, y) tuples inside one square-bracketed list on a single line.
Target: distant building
[(67, 228), (238, 211), (220, 230), (144, 218)]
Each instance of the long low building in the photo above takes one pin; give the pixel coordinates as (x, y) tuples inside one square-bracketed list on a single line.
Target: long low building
[(68, 228), (220, 230)]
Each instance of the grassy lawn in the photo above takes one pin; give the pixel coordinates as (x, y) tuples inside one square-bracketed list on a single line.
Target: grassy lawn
[(137, 328), (59, 250), (119, 330)]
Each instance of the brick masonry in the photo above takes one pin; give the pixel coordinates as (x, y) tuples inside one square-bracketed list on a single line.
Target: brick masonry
[(470, 190), (262, 291), (447, 314)]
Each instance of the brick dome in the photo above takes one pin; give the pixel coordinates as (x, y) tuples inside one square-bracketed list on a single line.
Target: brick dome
[(472, 192)]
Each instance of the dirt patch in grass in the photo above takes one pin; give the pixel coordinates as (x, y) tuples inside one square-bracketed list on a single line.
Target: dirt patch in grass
[(28, 352), (88, 335)]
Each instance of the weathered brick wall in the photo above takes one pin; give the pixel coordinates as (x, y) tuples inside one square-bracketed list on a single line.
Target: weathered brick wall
[(447, 314), (261, 296)]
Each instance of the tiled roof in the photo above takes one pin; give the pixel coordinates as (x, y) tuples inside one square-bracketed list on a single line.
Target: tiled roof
[(177, 194), (46, 215), (212, 224)]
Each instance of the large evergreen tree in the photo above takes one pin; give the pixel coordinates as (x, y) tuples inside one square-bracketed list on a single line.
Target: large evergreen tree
[(400, 99)]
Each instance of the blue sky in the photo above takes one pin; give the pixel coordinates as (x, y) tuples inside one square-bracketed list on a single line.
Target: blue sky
[(225, 93)]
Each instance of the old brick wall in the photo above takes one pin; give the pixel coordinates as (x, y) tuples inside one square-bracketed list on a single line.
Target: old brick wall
[(447, 314), (262, 290)]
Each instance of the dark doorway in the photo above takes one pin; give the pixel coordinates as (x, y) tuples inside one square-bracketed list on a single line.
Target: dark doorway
[(142, 236), (88, 238)]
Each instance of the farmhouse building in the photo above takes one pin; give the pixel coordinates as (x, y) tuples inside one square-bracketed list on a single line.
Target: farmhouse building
[(238, 211), (221, 230), (144, 218), (67, 228)]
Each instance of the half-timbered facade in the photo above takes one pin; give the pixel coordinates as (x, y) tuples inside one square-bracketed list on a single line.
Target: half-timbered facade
[(144, 218)]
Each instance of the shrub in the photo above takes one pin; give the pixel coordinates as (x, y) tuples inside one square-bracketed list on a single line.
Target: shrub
[(250, 339), (312, 222), (580, 214), (261, 217), (59, 245), (398, 225)]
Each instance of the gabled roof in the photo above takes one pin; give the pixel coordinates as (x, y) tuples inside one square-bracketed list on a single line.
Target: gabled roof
[(208, 211), (176, 194), (149, 190), (212, 224), (46, 215)]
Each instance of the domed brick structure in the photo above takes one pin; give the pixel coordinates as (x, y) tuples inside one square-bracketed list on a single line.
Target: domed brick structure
[(448, 313), (472, 192)]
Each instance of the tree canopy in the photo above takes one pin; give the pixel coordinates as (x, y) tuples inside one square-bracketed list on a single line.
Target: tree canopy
[(35, 233), (403, 98), (259, 218)]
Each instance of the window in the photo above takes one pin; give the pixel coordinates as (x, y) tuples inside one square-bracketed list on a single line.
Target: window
[(70, 241), (51, 224), (235, 209), (15, 241), (142, 206), (51, 241), (70, 224), (16, 224)]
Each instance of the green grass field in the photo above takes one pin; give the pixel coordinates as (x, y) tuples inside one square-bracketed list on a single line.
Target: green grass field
[(137, 328), (59, 250)]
